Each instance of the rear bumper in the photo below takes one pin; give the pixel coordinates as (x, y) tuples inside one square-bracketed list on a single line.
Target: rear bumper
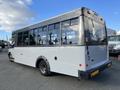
[(93, 72)]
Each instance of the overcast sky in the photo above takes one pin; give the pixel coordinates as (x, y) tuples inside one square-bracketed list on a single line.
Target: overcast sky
[(16, 14)]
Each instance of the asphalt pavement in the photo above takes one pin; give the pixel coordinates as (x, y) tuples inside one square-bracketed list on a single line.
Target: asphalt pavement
[(14, 76)]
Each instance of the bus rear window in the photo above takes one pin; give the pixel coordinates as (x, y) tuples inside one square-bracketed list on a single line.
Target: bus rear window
[(95, 33)]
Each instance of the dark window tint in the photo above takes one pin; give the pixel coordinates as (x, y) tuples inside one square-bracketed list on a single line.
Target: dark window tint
[(36, 36), (25, 38), (51, 27), (57, 25), (32, 37), (42, 36), (69, 37), (94, 32), (65, 23), (44, 28), (70, 34), (75, 21), (54, 36), (20, 39)]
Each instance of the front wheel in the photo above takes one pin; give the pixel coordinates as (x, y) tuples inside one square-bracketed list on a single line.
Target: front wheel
[(44, 68), (11, 59)]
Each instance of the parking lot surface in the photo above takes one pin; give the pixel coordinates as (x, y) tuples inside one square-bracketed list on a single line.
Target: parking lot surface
[(15, 76)]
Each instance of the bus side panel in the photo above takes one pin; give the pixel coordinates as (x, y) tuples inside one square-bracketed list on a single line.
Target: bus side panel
[(68, 58), (68, 61)]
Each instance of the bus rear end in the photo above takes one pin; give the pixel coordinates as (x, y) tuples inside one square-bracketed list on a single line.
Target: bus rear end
[(95, 33)]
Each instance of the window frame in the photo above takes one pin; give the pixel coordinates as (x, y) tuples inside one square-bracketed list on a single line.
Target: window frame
[(56, 26), (54, 31), (93, 27), (43, 31), (67, 22), (70, 25), (74, 19)]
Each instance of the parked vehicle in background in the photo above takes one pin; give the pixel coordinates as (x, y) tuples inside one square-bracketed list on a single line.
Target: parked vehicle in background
[(114, 44), (6, 43), (3, 43), (74, 44)]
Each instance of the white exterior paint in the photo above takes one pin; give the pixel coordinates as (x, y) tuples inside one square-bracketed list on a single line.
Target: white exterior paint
[(69, 58), (98, 55)]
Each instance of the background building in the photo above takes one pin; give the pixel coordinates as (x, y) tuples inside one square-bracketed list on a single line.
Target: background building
[(111, 32), (118, 32)]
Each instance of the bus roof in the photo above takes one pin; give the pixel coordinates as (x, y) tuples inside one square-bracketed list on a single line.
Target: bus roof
[(62, 17)]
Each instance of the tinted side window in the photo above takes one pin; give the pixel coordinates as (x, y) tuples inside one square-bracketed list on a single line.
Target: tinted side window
[(25, 38), (14, 39), (20, 39), (54, 34), (70, 36), (66, 23), (42, 36), (44, 28), (36, 36), (57, 26), (70, 33), (74, 21), (51, 26), (32, 37)]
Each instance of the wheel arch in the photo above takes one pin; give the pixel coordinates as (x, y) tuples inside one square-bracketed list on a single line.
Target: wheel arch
[(40, 58)]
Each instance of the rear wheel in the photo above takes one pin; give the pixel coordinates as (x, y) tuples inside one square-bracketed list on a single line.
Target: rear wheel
[(44, 68)]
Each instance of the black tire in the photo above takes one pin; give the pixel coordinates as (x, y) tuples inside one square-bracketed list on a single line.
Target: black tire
[(10, 57), (3, 46), (44, 68)]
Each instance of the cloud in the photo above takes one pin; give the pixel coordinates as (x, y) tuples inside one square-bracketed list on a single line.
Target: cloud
[(14, 14)]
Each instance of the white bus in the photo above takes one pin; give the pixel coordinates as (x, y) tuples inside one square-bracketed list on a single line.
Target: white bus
[(74, 43)]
